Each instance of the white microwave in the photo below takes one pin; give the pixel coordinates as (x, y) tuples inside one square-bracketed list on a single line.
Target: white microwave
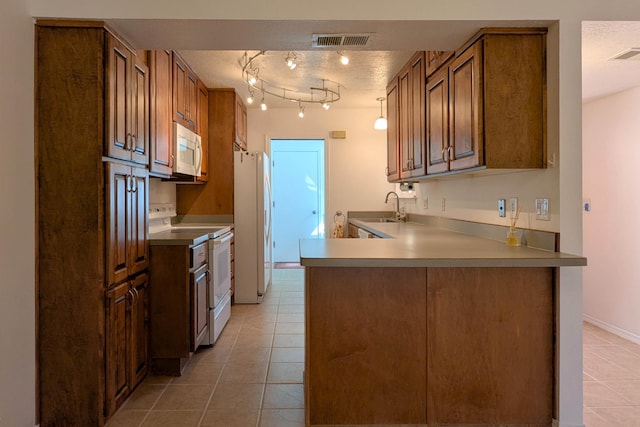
[(187, 151)]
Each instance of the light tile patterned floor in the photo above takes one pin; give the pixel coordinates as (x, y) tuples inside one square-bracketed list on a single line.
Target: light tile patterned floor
[(611, 379), (252, 377)]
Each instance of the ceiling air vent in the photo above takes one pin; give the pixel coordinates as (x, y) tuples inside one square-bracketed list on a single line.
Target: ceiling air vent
[(339, 40), (633, 54)]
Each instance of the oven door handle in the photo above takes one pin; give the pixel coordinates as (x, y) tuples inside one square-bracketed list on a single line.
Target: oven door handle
[(223, 239)]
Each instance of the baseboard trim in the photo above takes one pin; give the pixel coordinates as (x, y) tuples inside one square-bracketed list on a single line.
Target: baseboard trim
[(613, 329)]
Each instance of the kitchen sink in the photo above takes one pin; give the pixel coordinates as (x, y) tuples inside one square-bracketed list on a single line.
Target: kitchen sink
[(385, 219)]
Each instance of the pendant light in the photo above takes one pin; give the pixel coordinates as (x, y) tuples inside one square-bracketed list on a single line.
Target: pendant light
[(381, 122)]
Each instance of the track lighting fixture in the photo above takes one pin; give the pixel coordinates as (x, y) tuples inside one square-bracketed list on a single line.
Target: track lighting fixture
[(290, 60), (381, 122), (344, 59), (263, 105), (325, 95), (250, 97), (301, 112)]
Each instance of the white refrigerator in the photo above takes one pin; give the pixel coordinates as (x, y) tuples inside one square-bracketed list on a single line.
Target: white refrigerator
[(252, 222)]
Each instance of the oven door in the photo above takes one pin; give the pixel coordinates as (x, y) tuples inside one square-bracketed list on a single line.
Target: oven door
[(221, 268)]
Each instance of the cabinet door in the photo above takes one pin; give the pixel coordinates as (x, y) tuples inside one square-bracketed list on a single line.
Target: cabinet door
[(139, 354), (118, 191), (393, 142), (118, 102), (138, 213), (161, 112), (404, 122), (180, 93), (192, 100), (203, 129), (241, 123), (199, 305), (437, 125), (140, 112), (118, 306), (465, 109), (435, 58), (417, 116)]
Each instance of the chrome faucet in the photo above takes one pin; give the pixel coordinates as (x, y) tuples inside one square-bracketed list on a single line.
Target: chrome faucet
[(386, 200)]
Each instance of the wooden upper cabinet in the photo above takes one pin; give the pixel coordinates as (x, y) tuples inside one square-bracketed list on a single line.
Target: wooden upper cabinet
[(127, 104), (465, 112), (435, 59), (486, 108), (119, 60), (437, 122), (406, 121), (416, 116), (241, 123), (393, 134), (203, 129), (160, 65), (140, 112), (185, 93)]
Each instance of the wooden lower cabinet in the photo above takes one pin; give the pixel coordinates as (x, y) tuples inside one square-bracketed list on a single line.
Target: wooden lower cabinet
[(436, 346), (199, 282), (179, 304), (127, 356)]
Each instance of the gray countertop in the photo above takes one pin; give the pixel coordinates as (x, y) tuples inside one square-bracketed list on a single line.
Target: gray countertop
[(410, 244), (168, 238)]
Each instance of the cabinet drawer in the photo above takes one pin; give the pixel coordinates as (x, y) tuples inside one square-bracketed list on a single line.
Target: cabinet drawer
[(198, 255)]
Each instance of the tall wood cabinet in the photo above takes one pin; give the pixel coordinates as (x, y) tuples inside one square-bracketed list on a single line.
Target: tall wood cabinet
[(92, 139), (226, 123)]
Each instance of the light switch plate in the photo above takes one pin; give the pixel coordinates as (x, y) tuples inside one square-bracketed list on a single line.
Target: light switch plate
[(542, 209)]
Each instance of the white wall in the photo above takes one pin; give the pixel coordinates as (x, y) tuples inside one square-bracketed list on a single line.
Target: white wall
[(355, 166), (17, 216), (611, 131)]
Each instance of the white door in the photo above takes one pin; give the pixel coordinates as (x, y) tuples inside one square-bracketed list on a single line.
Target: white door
[(298, 195)]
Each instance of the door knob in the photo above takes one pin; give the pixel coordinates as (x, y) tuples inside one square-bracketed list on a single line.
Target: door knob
[(313, 212)]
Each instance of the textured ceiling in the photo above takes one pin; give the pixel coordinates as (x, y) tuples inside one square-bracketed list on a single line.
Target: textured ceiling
[(601, 41), (215, 50), (361, 81)]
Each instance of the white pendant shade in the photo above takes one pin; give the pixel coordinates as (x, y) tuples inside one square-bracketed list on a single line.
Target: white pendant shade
[(380, 124)]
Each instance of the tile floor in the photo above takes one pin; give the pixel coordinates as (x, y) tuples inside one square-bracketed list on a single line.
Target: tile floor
[(611, 379), (252, 377)]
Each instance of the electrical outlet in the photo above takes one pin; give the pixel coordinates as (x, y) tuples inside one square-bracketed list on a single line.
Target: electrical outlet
[(501, 211), (443, 204), (513, 207), (542, 209)]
